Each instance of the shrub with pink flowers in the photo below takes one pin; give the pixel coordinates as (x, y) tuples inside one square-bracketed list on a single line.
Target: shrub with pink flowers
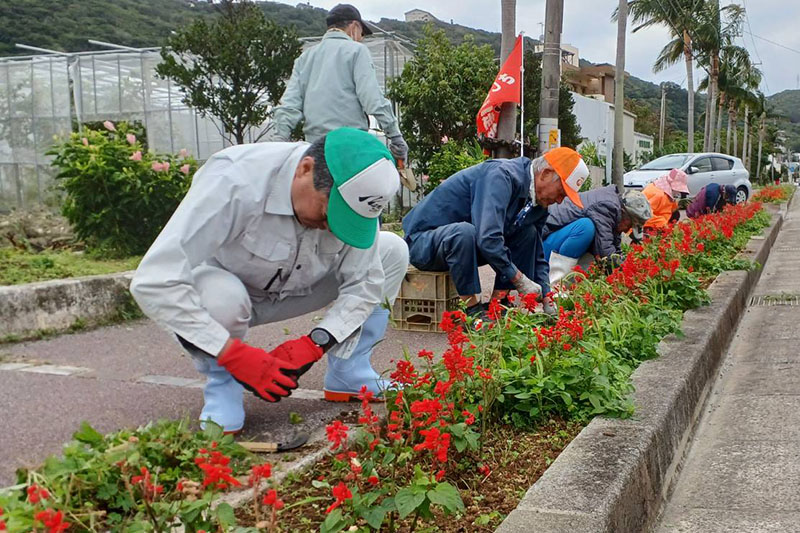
[(119, 194)]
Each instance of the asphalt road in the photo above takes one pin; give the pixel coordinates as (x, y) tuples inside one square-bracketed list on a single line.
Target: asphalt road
[(130, 374)]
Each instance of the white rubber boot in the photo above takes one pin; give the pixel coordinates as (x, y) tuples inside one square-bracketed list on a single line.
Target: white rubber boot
[(560, 266)]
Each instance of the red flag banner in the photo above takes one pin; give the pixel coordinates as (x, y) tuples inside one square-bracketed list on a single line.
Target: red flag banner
[(506, 88)]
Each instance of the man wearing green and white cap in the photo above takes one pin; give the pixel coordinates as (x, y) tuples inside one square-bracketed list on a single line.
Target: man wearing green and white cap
[(271, 231)]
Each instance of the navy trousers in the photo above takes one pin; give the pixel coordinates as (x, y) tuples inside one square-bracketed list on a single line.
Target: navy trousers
[(454, 248)]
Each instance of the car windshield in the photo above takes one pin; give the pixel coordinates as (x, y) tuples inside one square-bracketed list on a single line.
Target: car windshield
[(667, 162)]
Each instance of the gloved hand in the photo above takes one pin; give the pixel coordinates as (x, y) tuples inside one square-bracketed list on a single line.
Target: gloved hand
[(549, 306), (525, 286), (399, 148), (261, 372), (301, 353)]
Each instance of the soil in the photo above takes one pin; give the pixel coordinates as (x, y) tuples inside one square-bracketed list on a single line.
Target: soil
[(517, 458), (35, 230)]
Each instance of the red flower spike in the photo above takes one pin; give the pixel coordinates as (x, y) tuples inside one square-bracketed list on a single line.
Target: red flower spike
[(52, 520), (341, 493), (337, 434)]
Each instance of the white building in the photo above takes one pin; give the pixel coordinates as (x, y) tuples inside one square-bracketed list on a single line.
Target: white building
[(642, 148), (595, 116), (569, 53), (418, 15)]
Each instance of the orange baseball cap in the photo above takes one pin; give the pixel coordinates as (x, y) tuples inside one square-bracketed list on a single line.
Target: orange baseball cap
[(570, 167)]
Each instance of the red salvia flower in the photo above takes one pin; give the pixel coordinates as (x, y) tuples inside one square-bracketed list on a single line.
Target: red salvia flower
[(337, 433), (341, 493), (52, 520)]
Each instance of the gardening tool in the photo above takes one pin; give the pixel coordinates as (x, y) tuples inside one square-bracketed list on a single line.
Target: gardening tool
[(297, 440), (407, 177)]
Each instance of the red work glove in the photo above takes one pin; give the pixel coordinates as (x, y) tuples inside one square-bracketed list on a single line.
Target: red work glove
[(261, 372), (301, 353)]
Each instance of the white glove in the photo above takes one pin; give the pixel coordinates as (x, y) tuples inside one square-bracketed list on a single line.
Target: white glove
[(399, 148), (525, 286)]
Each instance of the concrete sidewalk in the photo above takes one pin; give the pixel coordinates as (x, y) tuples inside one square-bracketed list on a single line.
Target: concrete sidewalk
[(742, 472)]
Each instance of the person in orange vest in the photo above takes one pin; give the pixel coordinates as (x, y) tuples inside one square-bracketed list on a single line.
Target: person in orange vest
[(662, 195)]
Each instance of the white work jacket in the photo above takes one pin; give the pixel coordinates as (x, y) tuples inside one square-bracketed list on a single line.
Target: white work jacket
[(238, 215)]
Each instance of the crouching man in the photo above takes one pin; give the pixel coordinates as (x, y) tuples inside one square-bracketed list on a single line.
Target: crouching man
[(493, 213), (271, 231), (597, 228)]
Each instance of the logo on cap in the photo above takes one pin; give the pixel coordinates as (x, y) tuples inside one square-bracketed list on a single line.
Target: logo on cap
[(375, 203)]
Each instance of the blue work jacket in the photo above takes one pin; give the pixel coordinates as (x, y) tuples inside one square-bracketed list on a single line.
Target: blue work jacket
[(490, 196)]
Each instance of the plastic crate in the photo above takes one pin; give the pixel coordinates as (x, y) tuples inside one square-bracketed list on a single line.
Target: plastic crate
[(423, 297)]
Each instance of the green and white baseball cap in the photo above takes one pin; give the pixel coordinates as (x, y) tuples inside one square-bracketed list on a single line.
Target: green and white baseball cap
[(364, 179)]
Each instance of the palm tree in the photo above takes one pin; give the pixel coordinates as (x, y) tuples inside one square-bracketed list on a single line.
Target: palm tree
[(678, 15), (715, 30)]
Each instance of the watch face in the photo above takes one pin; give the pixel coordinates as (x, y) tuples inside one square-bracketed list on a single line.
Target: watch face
[(320, 337)]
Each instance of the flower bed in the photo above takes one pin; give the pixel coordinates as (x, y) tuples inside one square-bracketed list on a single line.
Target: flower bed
[(505, 396), (774, 194)]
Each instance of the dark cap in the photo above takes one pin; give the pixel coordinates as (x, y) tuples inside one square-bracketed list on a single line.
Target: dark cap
[(344, 12)]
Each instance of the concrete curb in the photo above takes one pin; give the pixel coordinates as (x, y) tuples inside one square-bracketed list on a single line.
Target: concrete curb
[(615, 475), (59, 305)]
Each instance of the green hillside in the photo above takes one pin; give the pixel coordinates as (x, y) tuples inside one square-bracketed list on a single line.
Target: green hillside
[(68, 24), (786, 105)]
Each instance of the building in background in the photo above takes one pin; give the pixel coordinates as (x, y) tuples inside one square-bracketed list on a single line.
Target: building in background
[(595, 81), (418, 15)]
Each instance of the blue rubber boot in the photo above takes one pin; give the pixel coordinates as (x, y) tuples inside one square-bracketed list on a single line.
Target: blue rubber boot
[(345, 377), (222, 394)]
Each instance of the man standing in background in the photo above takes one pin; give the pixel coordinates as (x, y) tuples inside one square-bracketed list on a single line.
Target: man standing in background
[(334, 85)]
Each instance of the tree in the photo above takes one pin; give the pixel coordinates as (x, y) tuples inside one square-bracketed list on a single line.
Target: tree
[(232, 67), (679, 17), (440, 92)]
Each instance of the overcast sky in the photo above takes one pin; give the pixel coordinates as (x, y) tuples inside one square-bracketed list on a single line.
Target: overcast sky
[(588, 26)]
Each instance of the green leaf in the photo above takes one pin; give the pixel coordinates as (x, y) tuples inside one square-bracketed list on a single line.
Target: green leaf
[(375, 516), (225, 515), (87, 434), (320, 484), (407, 501), (333, 522), (447, 496)]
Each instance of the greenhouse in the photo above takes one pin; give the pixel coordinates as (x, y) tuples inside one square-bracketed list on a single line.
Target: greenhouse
[(45, 96)]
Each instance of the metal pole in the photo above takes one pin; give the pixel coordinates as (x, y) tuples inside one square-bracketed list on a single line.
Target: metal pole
[(33, 133), (551, 74), (522, 96), (144, 97), (619, 97), (119, 88), (94, 86), (169, 115)]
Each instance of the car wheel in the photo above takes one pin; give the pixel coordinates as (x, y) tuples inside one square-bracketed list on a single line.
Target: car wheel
[(741, 195)]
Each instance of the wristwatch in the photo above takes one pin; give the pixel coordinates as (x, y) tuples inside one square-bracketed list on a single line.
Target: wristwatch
[(322, 338)]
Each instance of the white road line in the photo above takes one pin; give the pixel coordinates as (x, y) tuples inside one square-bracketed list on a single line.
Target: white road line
[(55, 370)]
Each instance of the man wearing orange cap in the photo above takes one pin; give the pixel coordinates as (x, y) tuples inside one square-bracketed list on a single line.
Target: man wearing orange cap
[(493, 213)]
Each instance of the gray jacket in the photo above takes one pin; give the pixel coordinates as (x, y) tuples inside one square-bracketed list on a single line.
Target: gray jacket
[(603, 207), (333, 85)]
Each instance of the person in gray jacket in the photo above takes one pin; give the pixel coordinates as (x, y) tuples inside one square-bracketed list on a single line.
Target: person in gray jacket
[(334, 85), (597, 228)]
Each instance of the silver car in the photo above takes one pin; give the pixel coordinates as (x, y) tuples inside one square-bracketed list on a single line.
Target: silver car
[(702, 169)]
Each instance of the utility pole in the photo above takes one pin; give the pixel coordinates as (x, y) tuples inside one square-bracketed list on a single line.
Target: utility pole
[(663, 115), (507, 123), (549, 136), (619, 97)]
